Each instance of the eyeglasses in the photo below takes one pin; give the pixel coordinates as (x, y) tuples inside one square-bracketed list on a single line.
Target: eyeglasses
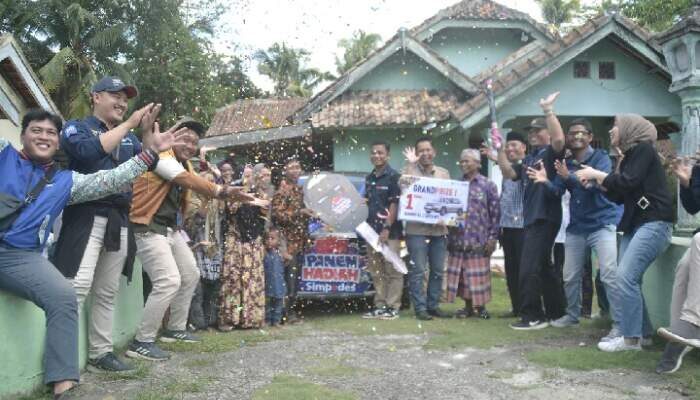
[(573, 133)]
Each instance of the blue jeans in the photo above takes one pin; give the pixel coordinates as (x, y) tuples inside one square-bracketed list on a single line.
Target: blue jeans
[(430, 250), (273, 310), (604, 243), (32, 277), (638, 250)]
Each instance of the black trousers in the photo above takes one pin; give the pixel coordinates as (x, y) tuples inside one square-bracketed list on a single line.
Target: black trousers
[(512, 244), (538, 279), (204, 308)]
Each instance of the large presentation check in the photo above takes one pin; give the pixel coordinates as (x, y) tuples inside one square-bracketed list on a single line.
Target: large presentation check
[(430, 200)]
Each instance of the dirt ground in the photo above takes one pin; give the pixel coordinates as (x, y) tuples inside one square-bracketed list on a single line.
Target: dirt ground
[(373, 367)]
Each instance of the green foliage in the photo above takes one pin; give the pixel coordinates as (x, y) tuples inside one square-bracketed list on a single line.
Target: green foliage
[(356, 49), (558, 12), (286, 67), (656, 15), (163, 46), (292, 387)]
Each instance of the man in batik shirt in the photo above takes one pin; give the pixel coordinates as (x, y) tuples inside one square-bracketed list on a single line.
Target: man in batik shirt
[(471, 243), (291, 217)]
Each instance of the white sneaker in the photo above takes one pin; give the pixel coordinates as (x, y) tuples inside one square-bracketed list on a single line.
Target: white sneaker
[(618, 344), (614, 333)]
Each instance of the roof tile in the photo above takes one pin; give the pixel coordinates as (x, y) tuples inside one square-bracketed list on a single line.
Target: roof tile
[(253, 114)]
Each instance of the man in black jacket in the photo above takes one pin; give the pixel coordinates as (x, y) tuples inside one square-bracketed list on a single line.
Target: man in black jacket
[(684, 333)]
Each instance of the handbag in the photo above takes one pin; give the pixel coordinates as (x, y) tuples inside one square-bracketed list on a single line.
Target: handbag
[(11, 207)]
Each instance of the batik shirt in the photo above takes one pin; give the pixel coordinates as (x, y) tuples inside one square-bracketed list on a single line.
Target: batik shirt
[(287, 204), (481, 223)]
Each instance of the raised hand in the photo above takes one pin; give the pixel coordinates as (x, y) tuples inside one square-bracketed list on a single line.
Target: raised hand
[(488, 152), (537, 175), (136, 117), (410, 154), (548, 103), (562, 169), (162, 141), (149, 118), (683, 169)]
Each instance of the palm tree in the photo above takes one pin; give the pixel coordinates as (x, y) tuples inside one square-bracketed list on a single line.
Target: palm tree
[(558, 12), (356, 49), (285, 66), (72, 41)]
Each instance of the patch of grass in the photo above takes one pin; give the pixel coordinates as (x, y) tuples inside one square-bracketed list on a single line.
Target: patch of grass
[(221, 342), (289, 387), (590, 358), (455, 333), (185, 386), (501, 374), (325, 367), (153, 394)]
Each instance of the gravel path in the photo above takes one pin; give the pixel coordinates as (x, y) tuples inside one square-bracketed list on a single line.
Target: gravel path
[(376, 367)]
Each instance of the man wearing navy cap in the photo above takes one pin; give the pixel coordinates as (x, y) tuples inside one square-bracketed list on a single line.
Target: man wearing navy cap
[(93, 243)]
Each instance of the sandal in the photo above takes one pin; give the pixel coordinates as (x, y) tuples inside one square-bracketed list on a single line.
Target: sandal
[(483, 314), (225, 328)]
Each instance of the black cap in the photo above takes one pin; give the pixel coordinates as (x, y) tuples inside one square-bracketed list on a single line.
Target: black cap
[(513, 135), (536, 124), (191, 123), (114, 84)]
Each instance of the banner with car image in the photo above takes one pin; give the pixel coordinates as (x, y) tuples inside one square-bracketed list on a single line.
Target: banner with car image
[(430, 200)]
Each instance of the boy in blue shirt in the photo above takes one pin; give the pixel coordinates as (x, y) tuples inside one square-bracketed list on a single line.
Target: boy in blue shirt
[(275, 285)]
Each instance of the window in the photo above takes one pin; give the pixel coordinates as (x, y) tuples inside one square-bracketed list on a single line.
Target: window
[(606, 70), (582, 69)]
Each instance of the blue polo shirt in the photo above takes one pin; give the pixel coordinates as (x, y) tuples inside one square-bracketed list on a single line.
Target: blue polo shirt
[(381, 191), (590, 210), (80, 139), (539, 202)]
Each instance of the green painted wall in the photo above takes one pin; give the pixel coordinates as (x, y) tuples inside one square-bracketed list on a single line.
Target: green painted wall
[(658, 281), (474, 50), (401, 71), (633, 91), (22, 335), (351, 148)]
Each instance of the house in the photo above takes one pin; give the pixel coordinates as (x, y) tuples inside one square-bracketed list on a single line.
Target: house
[(20, 90), (429, 79)]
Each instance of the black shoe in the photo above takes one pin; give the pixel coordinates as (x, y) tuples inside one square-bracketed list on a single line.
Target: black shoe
[(483, 314), (523, 325), (439, 313), (169, 336), (108, 363), (146, 351), (672, 358), (464, 313), (423, 316)]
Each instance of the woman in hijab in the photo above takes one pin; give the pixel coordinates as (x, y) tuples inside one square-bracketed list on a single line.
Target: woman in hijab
[(639, 182)]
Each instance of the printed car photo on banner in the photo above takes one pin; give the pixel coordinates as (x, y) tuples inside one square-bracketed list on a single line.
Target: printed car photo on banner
[(430, 200), (334, 266)]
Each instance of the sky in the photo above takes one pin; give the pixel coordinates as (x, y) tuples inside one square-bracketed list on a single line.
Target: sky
[(318, 25)]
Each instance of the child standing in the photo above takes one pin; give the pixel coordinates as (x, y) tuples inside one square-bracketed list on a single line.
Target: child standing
[(275, 285)]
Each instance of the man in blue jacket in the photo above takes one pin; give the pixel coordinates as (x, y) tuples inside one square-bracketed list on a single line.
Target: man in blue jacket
[(684, 333), (23, 271), (593, 223), (93, 243)]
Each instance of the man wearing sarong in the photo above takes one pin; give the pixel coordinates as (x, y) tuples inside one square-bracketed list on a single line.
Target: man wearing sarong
[(471, 243)]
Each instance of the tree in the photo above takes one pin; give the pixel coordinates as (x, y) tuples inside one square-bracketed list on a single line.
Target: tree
[(163, 46), (285, 66), (356, 49), (558, 12), (656, 15)]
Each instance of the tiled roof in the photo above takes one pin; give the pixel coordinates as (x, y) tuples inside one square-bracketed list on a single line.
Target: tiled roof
[(522, 64), (480, 10), (386, 107), (254, 114)]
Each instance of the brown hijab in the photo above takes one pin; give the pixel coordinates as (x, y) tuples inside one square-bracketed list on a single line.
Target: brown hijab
[(634, 129)]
